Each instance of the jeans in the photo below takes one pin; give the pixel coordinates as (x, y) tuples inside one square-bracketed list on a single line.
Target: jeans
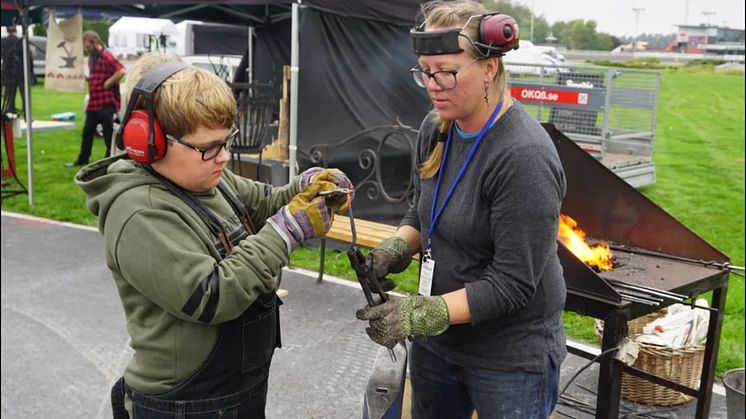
[(441, 389), (244, 404), (103, 116)]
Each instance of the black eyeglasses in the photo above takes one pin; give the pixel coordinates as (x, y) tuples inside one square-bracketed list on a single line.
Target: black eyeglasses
[(446, 79), (211, 151)]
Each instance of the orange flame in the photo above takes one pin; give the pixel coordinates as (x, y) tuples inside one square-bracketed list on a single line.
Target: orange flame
[(573, 238)]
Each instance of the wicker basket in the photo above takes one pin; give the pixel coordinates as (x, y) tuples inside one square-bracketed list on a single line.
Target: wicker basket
[(683, 366)]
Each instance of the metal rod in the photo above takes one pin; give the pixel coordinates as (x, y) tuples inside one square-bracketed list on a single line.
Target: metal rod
[(250, 58), (640, 300), (27, 108), (638, 294), (678, 297), (353, 232), (638, 251), (628, 295), (294, 70), (661, 293)]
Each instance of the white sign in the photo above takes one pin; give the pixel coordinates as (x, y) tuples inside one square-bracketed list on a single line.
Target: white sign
[(64, 60)]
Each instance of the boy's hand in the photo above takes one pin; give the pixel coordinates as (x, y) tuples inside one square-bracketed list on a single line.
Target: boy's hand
[(338, 202), (305, 217)]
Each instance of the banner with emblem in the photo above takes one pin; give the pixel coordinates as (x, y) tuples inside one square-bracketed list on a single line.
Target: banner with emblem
[(64, 60)]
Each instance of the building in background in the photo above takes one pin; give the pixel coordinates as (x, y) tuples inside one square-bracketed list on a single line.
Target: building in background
[(711, 40)]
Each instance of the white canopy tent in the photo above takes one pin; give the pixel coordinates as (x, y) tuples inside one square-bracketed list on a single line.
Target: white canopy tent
[(130, 35)]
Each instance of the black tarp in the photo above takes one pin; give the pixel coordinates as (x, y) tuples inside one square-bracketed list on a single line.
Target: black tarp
[(401, 12), (271, 52), (354, 74), (11, 17), (220, 39), (354, 61)]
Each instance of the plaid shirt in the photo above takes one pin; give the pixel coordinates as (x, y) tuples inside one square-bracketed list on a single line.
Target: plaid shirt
[(103, 68)]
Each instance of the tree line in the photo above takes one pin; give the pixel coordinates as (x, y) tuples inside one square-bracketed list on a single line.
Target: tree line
[(574, 34)]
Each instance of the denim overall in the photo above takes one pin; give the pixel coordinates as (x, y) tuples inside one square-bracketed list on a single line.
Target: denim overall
[(232, 382)]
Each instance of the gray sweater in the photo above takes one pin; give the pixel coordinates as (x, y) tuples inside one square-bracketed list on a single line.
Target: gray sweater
[(497, 238)]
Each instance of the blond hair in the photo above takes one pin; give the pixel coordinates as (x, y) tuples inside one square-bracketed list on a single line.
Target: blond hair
[(187, 100), (449, 14)]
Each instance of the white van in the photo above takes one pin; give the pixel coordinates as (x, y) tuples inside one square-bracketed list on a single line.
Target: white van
[(535, 59)]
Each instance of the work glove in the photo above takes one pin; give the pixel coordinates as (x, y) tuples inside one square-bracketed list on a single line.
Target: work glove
[(398, 319), (338, 202), (391, 256), (305, 217)]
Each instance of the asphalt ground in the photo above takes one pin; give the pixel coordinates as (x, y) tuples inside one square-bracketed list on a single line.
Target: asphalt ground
[(64, 341)]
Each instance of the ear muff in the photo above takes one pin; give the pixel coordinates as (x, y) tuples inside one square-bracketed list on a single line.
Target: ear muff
[(498, 34), (140, 134), (136, 134)]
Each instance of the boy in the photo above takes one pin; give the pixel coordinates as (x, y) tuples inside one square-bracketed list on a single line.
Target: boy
[(194, 250)]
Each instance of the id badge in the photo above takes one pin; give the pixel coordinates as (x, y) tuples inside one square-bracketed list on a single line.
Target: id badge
[(426, 275)]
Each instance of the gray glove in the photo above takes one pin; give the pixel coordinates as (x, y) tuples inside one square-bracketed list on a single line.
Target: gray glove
[(400, 318), (391, 256)]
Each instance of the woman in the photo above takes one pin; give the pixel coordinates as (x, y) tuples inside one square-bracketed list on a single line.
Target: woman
[(488, 323)]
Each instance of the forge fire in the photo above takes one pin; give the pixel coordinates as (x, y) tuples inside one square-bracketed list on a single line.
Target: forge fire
[(598, 256)]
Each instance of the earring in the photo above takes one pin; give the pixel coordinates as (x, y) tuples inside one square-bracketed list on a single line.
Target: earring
[(486, 94)]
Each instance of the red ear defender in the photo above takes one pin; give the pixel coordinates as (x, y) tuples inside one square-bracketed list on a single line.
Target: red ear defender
[(498, 34), (135, 135)]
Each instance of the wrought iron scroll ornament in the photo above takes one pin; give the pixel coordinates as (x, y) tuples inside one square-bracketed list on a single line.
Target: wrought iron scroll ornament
[(370, 159)]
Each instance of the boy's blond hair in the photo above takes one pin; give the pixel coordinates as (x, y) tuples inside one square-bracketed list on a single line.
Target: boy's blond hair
[(187, 100)]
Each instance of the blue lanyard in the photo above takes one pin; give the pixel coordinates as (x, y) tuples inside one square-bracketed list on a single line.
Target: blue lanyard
[(433, 215)]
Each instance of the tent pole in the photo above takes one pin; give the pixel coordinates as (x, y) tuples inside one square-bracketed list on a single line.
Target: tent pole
[(251, 55), (27, 107), (293, 146)]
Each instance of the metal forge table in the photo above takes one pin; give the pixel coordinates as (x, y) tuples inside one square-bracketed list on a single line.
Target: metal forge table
[(651, 249)]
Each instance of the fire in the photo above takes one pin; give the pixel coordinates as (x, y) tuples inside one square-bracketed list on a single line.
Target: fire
[(573, 238)]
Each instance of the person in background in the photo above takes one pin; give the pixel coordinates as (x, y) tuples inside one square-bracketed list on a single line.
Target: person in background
[(105, 71), (487, 325), (194, 249), (12, 70)]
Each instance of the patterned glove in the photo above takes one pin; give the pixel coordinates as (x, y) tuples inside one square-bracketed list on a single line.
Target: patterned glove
[(305, 217), (337, 202), (397, 319), (391, 256), (307, 177)]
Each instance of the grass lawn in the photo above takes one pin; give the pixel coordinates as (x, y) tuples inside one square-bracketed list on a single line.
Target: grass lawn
[(699, 155)]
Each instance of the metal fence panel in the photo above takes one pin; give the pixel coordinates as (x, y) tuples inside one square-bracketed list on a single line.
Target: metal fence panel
[(603, 109), (609, 112)]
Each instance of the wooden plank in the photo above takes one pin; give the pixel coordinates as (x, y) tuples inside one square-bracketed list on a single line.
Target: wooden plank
[(283, 131), (369, 233), (278, 150)]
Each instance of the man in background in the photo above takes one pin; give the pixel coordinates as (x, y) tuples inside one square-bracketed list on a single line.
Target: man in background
[(103, 95), (12, 70)]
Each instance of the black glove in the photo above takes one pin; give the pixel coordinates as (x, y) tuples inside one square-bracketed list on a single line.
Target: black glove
[(391, 256)]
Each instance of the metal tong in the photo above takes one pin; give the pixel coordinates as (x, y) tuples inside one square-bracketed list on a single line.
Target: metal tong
[(365, 276), (368, 281)]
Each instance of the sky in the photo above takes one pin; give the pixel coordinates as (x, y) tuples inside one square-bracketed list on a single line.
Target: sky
[(616, 17)]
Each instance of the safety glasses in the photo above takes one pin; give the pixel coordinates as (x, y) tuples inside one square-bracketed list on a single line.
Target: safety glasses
[(446, 79), (211, 151)]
